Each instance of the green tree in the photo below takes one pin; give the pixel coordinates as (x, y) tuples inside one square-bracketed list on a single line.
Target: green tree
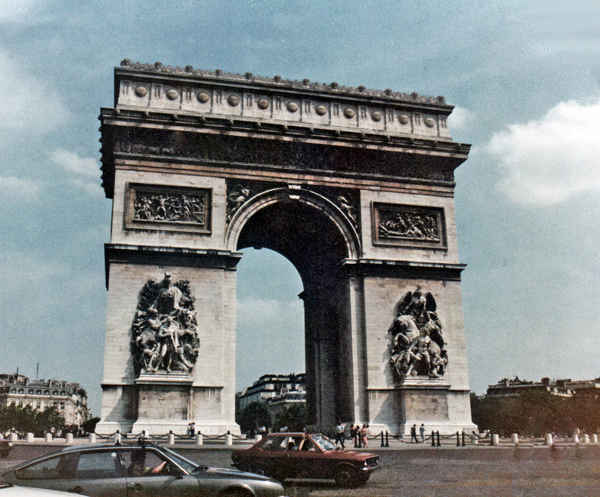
[(89, 426), (254, 416), (293, 416), (28, 420)]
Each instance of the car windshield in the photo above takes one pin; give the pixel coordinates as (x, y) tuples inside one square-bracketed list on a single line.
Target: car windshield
[(324, 443), (186, 464)]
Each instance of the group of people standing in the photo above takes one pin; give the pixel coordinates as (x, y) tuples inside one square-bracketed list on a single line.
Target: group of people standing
[(413, 434), (360, 436), (191, 430)]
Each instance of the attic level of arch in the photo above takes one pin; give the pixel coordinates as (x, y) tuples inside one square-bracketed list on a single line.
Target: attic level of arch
[(223, 145)]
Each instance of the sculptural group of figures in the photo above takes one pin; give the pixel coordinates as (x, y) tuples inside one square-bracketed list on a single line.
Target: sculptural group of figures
[(410, 226), (417, 346), (164, 336), (171, 208)]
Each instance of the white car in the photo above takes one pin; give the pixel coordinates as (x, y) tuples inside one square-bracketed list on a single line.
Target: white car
[(8, 490)]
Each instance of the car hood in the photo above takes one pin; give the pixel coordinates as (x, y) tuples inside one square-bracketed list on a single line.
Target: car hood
[(231, 473), (350, 454)]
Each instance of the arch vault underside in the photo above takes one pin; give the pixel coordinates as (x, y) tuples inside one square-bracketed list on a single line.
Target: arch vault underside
[(353, 187)]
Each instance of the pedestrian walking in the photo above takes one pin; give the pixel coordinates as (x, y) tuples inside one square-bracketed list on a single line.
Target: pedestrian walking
[(340, 434), (413, 434), (422, 431), (364, 436)]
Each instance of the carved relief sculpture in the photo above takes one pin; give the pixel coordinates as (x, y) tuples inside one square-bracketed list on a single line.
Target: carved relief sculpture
[(414, 226), (416, 343), (164, 336), (348, 206), (410, 226), (235, 198), (172, 208)]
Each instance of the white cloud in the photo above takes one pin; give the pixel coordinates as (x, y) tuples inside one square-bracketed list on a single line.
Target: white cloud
[(553, 159), (15, 188), (12, 10), (70, 161), (85, 170), (460, 118), (258, 313), (29, 106)]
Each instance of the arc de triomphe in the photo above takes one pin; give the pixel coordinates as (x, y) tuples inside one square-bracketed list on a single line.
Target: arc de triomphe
[(353, 186)]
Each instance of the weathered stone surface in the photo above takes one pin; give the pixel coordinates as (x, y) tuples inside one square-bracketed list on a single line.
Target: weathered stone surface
[(355, 187)]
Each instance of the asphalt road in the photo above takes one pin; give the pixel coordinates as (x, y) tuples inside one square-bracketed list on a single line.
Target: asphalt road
[(440, 472)]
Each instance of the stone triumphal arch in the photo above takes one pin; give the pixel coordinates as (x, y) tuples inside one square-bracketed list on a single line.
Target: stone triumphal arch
[(354, 187)]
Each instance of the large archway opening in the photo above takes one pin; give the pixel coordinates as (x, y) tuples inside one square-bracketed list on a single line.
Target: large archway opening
[(313, 243), (269, 317)]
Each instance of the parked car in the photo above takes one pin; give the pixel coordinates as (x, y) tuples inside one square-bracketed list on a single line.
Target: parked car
[(302, 455), (107, 470), (5, 447), (8, 490)]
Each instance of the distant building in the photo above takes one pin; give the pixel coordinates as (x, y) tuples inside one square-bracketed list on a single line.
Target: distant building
[(69, 398), (563, 388), (278, 391)]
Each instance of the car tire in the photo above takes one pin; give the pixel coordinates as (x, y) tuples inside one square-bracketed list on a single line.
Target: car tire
[(346, 476), (363, 479)]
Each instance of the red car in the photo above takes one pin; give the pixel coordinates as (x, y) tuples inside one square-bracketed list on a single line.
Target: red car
[(302, 455)]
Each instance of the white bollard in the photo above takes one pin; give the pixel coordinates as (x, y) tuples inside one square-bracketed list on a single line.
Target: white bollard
[(48, 438), (69, 438), (145, 434), (257, 438), (495, 440), (595, 438), (13, 437), (228, 439), (586, 439), (475, 439), (575, 438), (171, 438), (199, 439), (92, 438), (548, 439), (29, 437), (514, 438)]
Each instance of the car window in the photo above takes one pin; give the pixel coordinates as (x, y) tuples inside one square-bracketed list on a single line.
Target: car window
[(140, 462), (58, 467), (98, 465), (308, 445), (275, 444), (324, 443)]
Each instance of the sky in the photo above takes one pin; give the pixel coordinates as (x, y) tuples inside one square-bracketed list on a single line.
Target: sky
[(524, 77)]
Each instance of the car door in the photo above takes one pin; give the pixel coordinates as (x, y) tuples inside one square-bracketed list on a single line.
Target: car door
[(158, 476), (309, 460), (98, 474), (48, 473)]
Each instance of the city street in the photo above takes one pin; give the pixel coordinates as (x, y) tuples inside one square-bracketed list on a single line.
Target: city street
[(425, 471)]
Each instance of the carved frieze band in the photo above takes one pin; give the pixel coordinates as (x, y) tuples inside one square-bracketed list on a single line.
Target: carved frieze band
[(415, 226), (168, 208), (272, 153)]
